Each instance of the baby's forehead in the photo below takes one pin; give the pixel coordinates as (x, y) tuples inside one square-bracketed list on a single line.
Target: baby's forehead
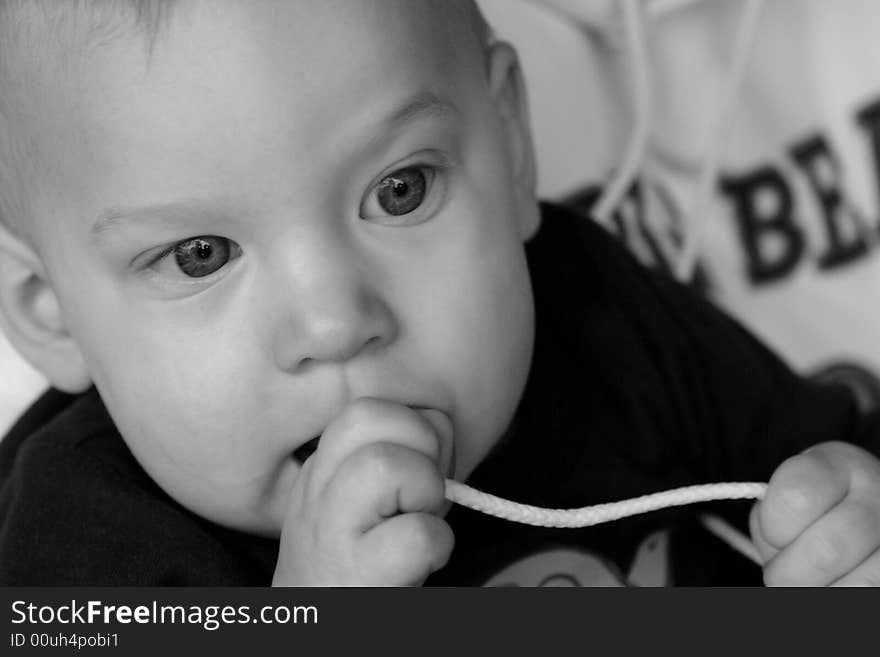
[(118, 89), (52, 45)]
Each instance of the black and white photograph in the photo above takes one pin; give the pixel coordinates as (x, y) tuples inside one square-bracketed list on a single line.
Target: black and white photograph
[(437, 293)]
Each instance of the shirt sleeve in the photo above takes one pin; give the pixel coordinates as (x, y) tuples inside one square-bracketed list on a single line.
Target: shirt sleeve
[(71, 515)]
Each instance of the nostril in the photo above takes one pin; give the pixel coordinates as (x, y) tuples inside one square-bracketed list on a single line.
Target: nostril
[(305, 450), (336, 354), (375, 341)]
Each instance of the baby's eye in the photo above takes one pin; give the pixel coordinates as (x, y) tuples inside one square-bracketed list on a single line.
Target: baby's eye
[(200, 256), (401, 193)]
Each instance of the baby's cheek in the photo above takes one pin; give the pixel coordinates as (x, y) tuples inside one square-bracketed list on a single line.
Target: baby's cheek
[(493, 381), (192, 438)]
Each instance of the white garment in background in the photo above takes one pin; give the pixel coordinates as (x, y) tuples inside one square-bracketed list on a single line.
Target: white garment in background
[(789, 243)]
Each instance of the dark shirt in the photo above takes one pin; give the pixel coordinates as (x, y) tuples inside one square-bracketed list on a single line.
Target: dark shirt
[(77, 509), (637, 385)]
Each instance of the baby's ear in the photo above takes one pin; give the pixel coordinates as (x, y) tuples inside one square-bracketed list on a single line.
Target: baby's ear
[(508, 91), (31, 317)]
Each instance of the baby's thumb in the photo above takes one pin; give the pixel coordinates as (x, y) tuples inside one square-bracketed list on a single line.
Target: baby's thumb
[(765, 549)]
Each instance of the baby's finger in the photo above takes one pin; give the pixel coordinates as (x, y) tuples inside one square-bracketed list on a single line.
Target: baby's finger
[(829, 549), (765, 550), (405, 549), (369, 420), (378, 481), (803, 489), (866, 573)]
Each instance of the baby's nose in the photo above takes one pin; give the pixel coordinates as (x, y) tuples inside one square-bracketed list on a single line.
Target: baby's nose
[(334, 323)]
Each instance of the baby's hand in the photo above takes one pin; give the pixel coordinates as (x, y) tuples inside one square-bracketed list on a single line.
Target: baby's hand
[(819, 522), (365, 508)]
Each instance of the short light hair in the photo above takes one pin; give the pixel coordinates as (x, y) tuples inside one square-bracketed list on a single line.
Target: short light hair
[(28, 26)]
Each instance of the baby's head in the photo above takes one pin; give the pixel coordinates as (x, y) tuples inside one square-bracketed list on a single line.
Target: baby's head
[(234, 218)]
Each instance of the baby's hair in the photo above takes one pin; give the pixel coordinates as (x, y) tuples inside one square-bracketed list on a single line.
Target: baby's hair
[(30, 28), (27, 27)]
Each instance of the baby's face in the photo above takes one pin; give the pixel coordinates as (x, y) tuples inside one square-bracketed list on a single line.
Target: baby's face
[(286, 207)]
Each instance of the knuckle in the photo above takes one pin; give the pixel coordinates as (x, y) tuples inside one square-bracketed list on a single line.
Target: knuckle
[(378, 461)]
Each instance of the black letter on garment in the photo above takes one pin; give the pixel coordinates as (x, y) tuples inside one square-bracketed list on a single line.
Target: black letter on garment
[(757, 224), (869, 119), (822, 169)]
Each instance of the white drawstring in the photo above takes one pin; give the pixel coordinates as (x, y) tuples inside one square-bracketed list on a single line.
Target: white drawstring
[(599, 513), (695, 225), (614, 192), (619, 185), (698, 215), (733, 537)]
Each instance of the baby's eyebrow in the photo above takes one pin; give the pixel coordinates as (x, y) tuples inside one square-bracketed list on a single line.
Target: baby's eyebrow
[(172, 213), (421, 106), (425, 104)]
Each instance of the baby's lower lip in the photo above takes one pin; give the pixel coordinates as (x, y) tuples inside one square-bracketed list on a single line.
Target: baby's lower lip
[(305, 450)]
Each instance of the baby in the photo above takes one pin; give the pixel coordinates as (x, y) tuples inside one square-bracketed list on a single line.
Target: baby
[(293, 249)]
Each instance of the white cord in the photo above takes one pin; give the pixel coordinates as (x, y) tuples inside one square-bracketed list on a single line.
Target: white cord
[(593, 515), (697, 215), (609, 199), (733, 537), (617, 188)]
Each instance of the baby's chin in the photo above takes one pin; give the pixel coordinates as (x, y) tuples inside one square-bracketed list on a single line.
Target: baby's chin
[(263, 522)]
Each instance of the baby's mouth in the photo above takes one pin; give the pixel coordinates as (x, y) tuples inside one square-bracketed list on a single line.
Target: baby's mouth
[(305, 450)]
